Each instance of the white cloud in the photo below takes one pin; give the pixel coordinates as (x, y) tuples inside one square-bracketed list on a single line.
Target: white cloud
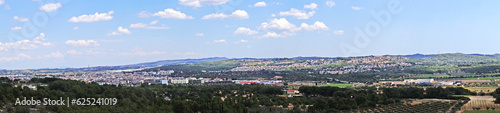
[(120, 31), (16, 28), (330, 3), (273, 15), (92, 18), (74, 52), (244, 31), (200, 34), (299, 14), (215, 16), (53, 55), (2, 2), (20, 19), (25, 44), (22, 56), (19, 56), (50, 7), (356, 8), (75, 28), (317, 26), (220, 41), (82, 43), (311, 6), (241, 41), (138, 25), (276, 35), (249, 46), (260, 4), (144, 14), (171, 13), (153, 22), (143, 25), (200, 3), (278, 24), (287, 29), (238, 14), (338, 32)]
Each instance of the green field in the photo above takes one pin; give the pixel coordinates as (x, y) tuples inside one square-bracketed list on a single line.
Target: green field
[(482, 111), (336, 85), (426, 76), (461, 95)]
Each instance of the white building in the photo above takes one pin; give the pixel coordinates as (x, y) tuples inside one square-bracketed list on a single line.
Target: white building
[(418, 81), (179, 80)]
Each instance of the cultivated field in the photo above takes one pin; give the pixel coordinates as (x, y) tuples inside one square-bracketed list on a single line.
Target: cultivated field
[(481, 89), (481, 103), (412, 106)]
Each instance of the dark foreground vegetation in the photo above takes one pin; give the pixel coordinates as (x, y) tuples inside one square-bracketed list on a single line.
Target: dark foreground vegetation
[(213, 99)]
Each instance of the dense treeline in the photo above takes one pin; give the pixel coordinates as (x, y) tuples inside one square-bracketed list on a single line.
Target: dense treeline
[(210, 99)]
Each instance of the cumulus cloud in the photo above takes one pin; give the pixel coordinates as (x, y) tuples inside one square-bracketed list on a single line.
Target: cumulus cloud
[(238, 14), (200, 3), (75, 28), (146, 26), (299, 14), (82, 43), (278, 24), (260, 4), (311, 6), (330, 3), (2, 2), (20, 19), (280, 28), (171, 13), (317, 26), (356, 8), (276, 35), (92, 18), (50, 7), (244, 31), (120, 31), (338, 32), (25, 44), (16, 28), (215, 16)]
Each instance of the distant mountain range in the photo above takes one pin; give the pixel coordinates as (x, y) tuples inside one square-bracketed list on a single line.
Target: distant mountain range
[(140, 65), (422, 56), (211, 59), (178, 62)]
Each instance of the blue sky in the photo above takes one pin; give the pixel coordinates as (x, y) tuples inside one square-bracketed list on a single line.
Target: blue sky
[(80, 33)]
